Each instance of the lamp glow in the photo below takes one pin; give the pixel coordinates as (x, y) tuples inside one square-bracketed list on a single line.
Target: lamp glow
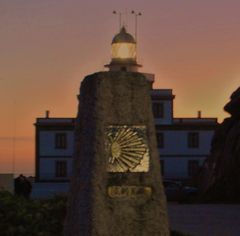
[(124, 51)]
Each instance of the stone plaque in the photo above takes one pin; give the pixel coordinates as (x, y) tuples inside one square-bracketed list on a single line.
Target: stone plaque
[(129, 191), (127, 149)]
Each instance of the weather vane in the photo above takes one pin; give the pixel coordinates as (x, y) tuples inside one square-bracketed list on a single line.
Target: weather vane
[(136, 15), (120, 18)]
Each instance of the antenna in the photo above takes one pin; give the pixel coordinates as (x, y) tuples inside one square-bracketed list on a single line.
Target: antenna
[(136, 15), (126, 18), (120, 18), (14, 138)]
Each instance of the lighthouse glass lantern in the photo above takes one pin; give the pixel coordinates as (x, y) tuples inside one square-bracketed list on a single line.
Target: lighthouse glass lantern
[(123, 47), (123, 53)]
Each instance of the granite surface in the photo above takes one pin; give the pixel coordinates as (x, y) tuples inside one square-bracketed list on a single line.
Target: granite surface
[(114, 98)]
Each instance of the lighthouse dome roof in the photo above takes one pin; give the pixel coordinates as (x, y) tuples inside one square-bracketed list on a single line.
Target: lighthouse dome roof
[(123, 37)]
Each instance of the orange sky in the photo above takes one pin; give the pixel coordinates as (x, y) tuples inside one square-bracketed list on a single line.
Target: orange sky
[(48, 46)]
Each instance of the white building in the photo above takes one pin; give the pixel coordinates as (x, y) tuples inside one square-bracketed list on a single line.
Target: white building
[(54, 149), (184, 143)]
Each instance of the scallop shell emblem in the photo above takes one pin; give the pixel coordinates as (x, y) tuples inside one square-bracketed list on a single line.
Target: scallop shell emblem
[(127, 149)]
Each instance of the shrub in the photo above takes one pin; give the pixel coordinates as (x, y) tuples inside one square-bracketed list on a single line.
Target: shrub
[(22, 217), (27, 217)]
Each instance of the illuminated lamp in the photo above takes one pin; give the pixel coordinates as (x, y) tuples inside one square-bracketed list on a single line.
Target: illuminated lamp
[(123, 52)]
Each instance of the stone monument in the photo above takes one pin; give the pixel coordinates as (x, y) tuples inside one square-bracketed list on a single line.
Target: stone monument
[(116, 187)]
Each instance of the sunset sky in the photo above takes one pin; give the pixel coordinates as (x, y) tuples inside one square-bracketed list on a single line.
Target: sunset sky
[(48, 46)]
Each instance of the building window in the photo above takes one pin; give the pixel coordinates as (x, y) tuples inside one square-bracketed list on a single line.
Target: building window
[(162, 167), (61, 169), (160, 140), (158, 110), (193, 140), (193, 167), (61, 140)]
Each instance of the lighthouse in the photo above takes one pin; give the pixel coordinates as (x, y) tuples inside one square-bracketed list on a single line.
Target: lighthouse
[(116, 187), (123, 52)]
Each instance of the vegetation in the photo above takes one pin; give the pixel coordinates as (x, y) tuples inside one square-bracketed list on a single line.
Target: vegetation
[(24, 217)]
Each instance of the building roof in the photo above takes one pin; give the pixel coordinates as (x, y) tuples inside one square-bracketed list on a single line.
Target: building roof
[(55, 123)]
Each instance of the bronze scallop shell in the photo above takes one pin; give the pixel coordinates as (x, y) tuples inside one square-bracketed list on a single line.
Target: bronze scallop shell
[(126, 149)]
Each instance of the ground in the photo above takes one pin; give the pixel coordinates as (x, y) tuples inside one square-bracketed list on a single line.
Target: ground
[(205, 219)]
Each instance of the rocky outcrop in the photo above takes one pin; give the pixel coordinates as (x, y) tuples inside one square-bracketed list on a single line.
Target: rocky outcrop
[(222, 168)]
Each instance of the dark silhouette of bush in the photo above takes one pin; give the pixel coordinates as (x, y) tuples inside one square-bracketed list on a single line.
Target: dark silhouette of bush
[(22, 186), (27, 217), (23, 217)]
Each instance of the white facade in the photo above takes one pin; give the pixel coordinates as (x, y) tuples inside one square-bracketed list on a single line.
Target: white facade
[(47, 143), (176, 155), (176, 143), (47, 168), (184, 143), (54, 149)]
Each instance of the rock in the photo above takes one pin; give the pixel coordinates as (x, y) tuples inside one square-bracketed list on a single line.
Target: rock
[(222, 168), (111, 195), (233, 106)]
